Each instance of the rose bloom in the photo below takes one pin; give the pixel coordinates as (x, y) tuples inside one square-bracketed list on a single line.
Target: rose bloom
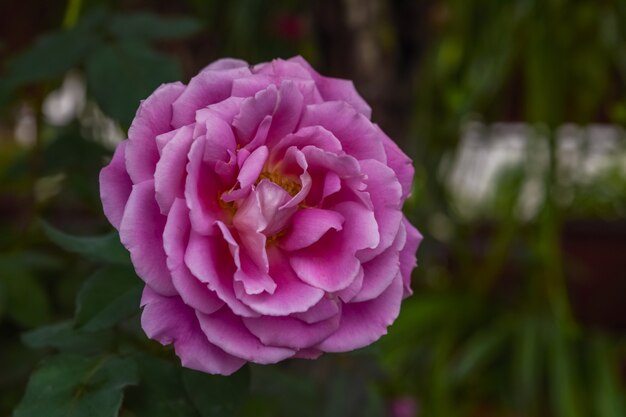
[(262, 208)]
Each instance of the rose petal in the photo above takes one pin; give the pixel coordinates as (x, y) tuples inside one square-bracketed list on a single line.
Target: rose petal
[(152, 119), (249, 86), (226, 110), (274, 205), (308, 354), (219, 138), (295, 163), (408, 258), (335, 88), (280, 68), (252, 273), (210, 86), (386, 194), (290, 332), (286, 115), (141, 233), (378, 274), (227, 331), (260, 137), (364, 323), (356, 133), (308, 226), (253, 111), (169, 177), (347, 294), (175, 238), (330, 263), (201, 192), (325, 308), (168, 320), (400, 163), (291, 294), (208, 258), (226, 64), (308, 136), (249, 173), (115, 186)]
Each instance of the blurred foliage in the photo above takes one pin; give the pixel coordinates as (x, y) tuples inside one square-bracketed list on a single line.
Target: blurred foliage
[(495, 327)]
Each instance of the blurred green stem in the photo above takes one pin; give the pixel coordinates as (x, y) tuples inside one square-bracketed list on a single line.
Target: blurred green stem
[(550, 225), (72, 12)]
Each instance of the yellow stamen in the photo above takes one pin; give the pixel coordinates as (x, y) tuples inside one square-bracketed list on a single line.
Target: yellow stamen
[(292, 186)]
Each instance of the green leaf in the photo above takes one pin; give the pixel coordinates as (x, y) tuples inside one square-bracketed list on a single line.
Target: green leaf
[(110, 295), (564, 376), (273, 381), (161, 392), (51, 56), (151, 26), (3, 299), (68, 385), (120, 75), (608, 396), (26, 300), (527, 364), (217, 396), (64, 337), (106, 248), (478, 350)]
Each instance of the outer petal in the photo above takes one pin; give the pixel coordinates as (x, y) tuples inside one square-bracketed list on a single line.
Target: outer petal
[(347, 294), (364, 323), (169, 177), (291, 332), (153, 118), (225, 110), (227, 331), (175, 238), (356, 133), (408, 258), (141, 231), (253, 111), (249, 86), (335, 88), (378, 274), (115, 187), (226, 64), (169, 320), (280, 68), (326, 308), (308, 354), (201, 191), (286, 115), (400, 163), (385, 193), (210, 86)]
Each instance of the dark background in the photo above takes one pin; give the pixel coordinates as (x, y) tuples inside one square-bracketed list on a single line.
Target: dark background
[(513, 112)]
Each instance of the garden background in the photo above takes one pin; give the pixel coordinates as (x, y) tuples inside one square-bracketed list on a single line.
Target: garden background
[(514, 114)]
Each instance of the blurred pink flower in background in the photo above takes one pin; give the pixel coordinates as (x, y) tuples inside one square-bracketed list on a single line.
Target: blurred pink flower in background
[(404, 406), (262, 208)]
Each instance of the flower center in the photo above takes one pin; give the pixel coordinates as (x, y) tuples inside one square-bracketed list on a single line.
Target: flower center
[(229, 207), (291, 185)]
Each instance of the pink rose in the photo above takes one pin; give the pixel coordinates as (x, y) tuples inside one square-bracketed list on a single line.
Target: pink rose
[(262, 208)]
